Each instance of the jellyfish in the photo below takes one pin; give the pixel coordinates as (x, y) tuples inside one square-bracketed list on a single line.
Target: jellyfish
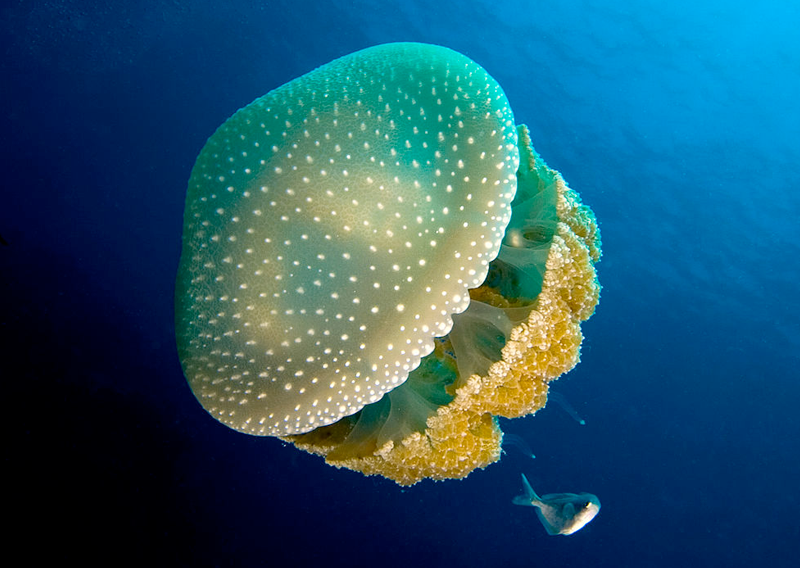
[(376, 264), (565, 405), (518, 442)]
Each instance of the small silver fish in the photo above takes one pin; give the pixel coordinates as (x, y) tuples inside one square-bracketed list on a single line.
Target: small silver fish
[(560, 513)]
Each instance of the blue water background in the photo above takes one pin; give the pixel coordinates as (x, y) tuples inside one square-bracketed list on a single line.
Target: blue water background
[(678, 122)]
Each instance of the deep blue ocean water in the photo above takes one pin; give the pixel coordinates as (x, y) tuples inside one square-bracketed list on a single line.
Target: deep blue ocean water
[(679, 124)]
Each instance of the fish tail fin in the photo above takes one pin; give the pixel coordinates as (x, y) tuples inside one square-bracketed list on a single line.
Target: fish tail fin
[(530, 499), (522, 500)]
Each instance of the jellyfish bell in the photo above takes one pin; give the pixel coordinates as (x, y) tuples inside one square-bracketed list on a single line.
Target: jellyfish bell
[(358, 263), (332, 229)]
